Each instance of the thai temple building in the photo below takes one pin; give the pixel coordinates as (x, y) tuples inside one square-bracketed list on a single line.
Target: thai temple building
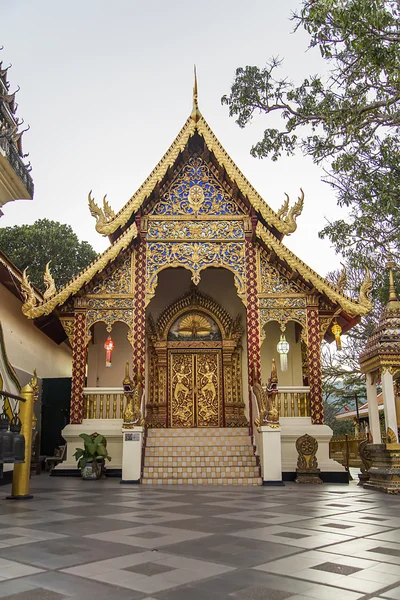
[(196, 300), (15, 179)]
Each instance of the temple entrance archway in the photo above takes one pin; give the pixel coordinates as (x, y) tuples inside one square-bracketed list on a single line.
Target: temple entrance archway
[(195, 357)]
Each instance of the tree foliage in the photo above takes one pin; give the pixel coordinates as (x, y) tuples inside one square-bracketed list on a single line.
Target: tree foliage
[(347, 121), (33, 246)]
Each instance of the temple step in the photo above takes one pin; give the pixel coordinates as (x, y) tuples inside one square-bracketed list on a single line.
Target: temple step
[(209, 456)]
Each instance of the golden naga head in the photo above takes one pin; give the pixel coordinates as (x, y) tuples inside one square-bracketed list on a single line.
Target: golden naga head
[(28, 293)]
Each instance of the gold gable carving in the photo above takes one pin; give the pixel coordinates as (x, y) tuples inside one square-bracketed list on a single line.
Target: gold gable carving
[(195, 193), (118, 281), (271, 281)]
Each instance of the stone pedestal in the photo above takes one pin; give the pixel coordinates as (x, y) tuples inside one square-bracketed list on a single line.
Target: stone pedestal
[(384, 474), (132, 454), (270, 455), (110, 428)]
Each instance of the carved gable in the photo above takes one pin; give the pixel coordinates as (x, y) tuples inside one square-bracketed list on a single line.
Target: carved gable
[(117, 281), (272, 281), (195, 193)]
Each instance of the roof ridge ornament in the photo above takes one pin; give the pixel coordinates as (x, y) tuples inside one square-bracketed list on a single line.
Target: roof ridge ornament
[(196, 114), (391, 265)]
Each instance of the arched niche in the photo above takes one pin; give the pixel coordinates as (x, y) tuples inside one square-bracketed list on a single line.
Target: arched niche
[(271, 336), (98, 375)]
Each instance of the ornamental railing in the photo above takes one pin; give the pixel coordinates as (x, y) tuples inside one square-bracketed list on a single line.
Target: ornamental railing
[(11, 153), (293, 401), (344, 449), (103, 403)]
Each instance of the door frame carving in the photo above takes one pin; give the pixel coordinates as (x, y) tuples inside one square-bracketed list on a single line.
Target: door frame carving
[(231, 358)]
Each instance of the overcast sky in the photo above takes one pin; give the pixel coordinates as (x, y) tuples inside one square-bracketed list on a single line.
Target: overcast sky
[(106, 86)]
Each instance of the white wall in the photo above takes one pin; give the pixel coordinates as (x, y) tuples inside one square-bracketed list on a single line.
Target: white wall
[(98, 375), (27, 347), (293, 376)]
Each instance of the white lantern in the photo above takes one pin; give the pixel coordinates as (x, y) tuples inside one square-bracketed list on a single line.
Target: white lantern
[(283, 350)]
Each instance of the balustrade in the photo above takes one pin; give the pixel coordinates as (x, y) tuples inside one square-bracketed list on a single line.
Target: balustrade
[(293, 401), (103, 403)]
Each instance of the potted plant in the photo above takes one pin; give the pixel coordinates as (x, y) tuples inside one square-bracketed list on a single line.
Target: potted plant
[(92, 456)]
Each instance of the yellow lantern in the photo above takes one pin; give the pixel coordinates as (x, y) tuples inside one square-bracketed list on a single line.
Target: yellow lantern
[(337, 330)]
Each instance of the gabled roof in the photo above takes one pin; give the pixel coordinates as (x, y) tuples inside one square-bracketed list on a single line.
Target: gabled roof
[(32, 310), (284, 221), (351, 307)]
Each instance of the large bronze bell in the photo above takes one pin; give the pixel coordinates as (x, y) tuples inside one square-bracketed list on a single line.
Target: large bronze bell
[(19, 440), (7, 439)]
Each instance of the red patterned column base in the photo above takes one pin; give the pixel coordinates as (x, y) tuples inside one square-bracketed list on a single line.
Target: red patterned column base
[(253, 319), (139, 311), (78, 368), (315, 371)]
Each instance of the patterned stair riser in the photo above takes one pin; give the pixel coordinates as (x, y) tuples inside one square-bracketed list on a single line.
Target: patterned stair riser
[(200, 457)]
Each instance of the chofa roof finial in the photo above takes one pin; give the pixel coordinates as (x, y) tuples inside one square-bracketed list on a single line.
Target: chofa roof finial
[(390, 265), (195, 110)]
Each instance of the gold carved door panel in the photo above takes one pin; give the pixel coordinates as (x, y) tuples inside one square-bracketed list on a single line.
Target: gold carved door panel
[(195, 388), (181, 389)]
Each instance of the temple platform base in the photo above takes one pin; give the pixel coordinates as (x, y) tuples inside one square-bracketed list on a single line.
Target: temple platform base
[(384, 474), (294, 427), (110, 428)]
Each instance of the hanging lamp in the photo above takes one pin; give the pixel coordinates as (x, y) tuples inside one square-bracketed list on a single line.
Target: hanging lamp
[(108, 347), (283, 350)]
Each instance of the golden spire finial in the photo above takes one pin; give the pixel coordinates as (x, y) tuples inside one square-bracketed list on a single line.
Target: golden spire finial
[(390, 265), (195, 110)]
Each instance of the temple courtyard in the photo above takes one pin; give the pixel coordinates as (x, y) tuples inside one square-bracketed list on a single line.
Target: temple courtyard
[(83, 539)]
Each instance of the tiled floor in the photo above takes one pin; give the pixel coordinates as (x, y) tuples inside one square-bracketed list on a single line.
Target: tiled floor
[(83, 540)]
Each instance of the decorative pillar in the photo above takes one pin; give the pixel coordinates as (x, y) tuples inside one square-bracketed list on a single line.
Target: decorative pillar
[(314, 362), (79, 349), (389, 402), (373, 410), (139, 310), (253, 316)]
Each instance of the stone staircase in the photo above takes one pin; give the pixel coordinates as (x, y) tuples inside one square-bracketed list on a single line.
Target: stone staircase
[(203, 456)]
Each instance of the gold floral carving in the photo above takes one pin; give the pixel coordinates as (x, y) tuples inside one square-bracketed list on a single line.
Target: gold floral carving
[(283, 309), (32, 311), (109, 317), (195, 257), (271, 281), (391, 436), (362, 307), (106, 225), (324, 322), (119, 281), (195, 299), (195, 230), (69, 327)]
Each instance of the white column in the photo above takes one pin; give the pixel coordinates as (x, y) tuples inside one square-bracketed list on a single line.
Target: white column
[(132, 454), (271, 455), (389, 402), (373, 411)]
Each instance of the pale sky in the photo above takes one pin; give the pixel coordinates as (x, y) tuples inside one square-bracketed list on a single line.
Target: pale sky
[(106, 86)]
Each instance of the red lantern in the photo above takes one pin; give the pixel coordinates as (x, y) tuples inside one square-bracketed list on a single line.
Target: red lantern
[(109, 347)]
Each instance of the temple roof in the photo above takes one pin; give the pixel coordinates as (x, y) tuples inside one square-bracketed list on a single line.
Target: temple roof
[(271, 226), (383, 345), (283, 222)]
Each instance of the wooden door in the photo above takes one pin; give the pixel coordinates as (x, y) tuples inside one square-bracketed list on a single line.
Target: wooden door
[(195, 388)]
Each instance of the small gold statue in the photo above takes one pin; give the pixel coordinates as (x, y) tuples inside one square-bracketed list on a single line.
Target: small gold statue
[(133, 393), (269, 414)]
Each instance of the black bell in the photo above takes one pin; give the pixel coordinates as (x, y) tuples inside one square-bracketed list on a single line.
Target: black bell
[(4, 435), (8, 447), (19, 440)]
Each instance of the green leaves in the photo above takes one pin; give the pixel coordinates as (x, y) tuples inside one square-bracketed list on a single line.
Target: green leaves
[(348, 121), (95, 450), (34, 245)]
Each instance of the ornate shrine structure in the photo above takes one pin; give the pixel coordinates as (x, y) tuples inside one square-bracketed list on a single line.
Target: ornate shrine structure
[(196, 290)]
